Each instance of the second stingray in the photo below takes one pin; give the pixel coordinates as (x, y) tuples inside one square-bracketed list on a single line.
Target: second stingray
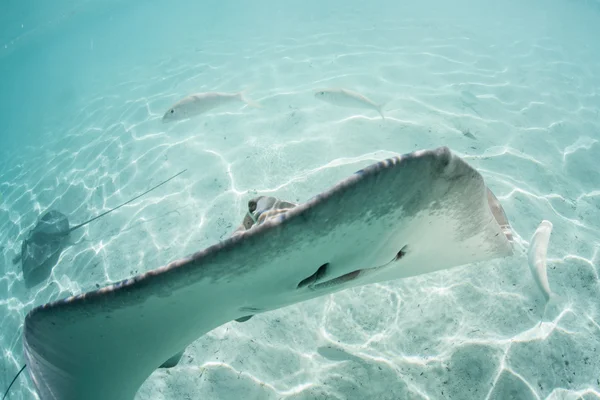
[(44, 243)]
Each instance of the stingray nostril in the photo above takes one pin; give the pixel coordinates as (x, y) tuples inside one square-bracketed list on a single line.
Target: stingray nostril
[(401, 253), (317, 276)]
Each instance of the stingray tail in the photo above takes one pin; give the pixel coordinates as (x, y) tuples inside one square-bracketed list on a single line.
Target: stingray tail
[(17, 259), (127, 202), (13, 381)]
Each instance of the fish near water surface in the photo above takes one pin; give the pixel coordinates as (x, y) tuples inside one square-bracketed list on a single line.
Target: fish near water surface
[(349, 99), (199, 103)]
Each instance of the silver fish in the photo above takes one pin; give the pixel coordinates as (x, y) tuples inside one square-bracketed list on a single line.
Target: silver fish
[(348, 98), (196, 104), (537, 257)]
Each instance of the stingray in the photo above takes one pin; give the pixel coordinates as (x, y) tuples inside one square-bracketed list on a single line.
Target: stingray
[(405, 216), (43, 244)]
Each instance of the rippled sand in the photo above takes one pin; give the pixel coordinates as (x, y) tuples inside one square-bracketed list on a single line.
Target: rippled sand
[(520, 103)]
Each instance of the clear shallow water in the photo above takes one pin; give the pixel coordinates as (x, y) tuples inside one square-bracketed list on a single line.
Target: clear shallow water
[(85, 84)]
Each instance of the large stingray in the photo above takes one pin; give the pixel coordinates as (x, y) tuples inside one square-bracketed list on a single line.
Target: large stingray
[(43, 244), (405, 216)]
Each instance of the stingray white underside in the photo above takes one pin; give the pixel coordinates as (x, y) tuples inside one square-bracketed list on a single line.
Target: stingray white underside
[(405, 216)]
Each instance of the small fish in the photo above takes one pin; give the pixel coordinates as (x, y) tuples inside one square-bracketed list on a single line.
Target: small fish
[(347, 98), (468, 134), (199, 103), (538, 249)]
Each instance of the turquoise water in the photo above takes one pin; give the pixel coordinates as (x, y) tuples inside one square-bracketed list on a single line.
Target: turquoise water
[(513, 88)]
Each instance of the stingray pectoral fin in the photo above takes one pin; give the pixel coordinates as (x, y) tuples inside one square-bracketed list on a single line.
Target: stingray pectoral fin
[(244, 319), (173, 361), (401, 217)]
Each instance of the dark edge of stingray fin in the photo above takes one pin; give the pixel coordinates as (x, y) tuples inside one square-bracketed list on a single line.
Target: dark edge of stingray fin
[(244, 319), (127, 202), (13, 381), (173, 361)]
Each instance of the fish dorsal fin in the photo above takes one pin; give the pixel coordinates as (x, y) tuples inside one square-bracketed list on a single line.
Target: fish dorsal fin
[(123, 204)]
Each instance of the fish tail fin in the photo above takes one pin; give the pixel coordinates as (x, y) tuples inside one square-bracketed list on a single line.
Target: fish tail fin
[(553, 307), (244, 97)]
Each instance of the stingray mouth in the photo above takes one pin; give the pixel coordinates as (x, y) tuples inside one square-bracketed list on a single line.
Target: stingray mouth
[(318, 279)]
